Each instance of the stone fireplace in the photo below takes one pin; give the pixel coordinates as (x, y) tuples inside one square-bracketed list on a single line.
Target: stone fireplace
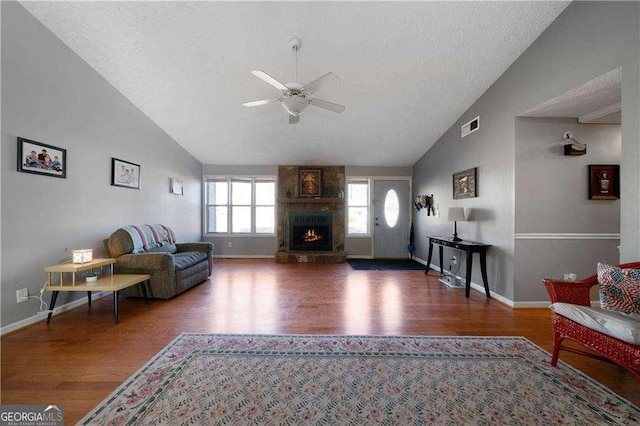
[(311, 229)]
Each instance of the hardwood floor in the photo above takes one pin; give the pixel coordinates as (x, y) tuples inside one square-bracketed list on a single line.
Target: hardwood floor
[(82, 356)]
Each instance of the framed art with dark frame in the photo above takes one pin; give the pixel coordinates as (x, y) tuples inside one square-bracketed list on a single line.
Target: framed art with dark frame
[(465, 184), (310, 182), (125, 174), (41, 159), (604, 181)]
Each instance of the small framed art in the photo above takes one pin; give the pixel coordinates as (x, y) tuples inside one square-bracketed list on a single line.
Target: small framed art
[(465, 184), (125, 174), (176, 186), (310, 182), (42, 159), (604, 181)]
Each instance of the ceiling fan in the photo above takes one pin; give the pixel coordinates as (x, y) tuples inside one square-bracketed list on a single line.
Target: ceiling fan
[(295, 97)]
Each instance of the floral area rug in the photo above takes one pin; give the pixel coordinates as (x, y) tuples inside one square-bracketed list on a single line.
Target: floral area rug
[(202, 379)]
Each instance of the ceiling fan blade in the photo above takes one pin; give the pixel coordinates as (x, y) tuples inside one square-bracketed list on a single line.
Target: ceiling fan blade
[(315, 85), (260, 102), (272, 81), (293, 120), (326, 105)]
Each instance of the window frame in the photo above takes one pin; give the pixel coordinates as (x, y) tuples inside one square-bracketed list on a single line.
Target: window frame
[(358, 179), (229, 179)]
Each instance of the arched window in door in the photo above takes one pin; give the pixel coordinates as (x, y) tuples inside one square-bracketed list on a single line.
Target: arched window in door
[(391, 208)]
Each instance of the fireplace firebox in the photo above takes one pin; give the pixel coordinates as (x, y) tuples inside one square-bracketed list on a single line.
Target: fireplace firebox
[(310, 231)]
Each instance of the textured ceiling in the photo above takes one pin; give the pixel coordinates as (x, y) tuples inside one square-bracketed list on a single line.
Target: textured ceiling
[(594, 95), (407, 70)]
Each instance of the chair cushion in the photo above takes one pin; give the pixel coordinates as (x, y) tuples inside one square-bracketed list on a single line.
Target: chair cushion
[(622, 326), (186, 259), (619, 288)]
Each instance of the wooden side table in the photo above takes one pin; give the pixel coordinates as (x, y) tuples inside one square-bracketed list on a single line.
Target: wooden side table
[(108, 282)]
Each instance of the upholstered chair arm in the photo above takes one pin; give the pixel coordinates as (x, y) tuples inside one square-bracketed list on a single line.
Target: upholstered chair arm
[(146, 261), (201, 246), (574, 292)]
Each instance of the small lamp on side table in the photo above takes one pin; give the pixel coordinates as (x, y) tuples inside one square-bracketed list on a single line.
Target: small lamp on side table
[(82, 256), (454, 215)]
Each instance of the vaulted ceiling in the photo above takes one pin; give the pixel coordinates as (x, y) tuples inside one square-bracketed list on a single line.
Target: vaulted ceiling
[(407, 70)]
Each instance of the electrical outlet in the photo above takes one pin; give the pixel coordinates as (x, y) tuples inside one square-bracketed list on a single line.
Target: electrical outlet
[(229, 244), (454, 260), (22, 295)]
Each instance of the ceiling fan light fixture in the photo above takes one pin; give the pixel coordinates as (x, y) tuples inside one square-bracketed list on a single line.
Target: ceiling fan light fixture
[(294, 104)]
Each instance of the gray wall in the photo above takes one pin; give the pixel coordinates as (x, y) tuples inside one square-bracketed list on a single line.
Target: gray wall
[(50, 95), (585, 41), (557, 228)]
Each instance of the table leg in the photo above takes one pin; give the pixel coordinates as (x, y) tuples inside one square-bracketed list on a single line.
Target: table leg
[(483, 269), (89, 298), (467, 288), (143, 286), (115, 306), (429, 258), (441, 253), (52, 305)]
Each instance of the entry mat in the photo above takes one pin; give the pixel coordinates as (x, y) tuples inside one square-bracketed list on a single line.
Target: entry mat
[(385, 265)]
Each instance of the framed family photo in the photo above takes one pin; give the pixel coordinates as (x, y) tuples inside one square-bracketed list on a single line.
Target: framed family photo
[(125, 174), (465, 184), (41, 158), (604, 181)]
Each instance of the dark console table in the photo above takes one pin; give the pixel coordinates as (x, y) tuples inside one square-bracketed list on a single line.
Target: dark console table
[(469, 247)]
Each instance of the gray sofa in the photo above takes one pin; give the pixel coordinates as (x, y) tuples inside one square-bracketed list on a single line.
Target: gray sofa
[(173, 267)]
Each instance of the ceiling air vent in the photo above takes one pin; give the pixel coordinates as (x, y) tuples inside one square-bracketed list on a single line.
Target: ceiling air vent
[(471, 126)]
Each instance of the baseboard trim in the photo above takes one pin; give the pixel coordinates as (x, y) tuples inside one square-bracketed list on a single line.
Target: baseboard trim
[(476, 287), (41, 316)]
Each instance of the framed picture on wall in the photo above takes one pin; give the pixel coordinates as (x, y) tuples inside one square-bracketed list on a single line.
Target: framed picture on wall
[(604, 181), (42, 159), (125, 174), (465, 184), (310, 182), (176, 186)]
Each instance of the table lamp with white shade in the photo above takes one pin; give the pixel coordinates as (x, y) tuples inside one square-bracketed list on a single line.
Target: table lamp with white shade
[(454, 215)]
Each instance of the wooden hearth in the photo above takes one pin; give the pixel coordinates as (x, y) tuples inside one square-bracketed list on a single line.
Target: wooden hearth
[(331, 201)]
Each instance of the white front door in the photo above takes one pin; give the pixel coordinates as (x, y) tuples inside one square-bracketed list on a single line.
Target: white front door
[(391, 210)]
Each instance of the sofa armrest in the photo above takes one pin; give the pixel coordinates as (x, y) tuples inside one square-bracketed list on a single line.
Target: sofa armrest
[(574, 292), (206, 247), (201, 246), (147, 261)]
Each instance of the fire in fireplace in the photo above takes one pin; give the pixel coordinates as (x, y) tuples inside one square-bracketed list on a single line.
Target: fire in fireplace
[(310, 231)]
